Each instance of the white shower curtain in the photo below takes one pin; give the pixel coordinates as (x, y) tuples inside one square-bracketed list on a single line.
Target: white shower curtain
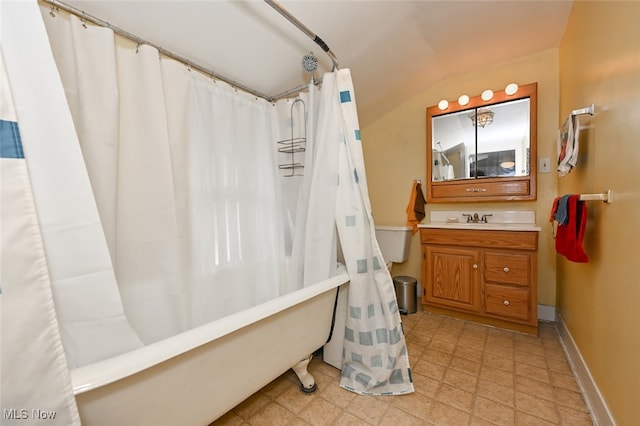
[(88, 308), (184, 175), (299, 120), (375, 359), (33, 367)]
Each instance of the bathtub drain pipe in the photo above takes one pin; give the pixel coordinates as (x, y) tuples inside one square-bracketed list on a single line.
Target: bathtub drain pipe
[(333, 317)]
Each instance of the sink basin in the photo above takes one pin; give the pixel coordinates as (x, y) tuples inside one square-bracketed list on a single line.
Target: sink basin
[(468, 224)]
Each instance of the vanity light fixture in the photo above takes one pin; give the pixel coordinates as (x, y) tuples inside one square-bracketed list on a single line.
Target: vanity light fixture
[(483, 117), (463, 100), (487, 95), (511, 89), (443, 104)]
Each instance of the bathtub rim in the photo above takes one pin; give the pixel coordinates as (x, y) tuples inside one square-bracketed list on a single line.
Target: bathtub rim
[(107, 371)]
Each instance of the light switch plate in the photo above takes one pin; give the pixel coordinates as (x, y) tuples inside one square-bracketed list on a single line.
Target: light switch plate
[(544, 165)]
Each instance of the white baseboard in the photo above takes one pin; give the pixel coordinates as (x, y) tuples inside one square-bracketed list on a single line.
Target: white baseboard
[(596, 403), (547, 313)]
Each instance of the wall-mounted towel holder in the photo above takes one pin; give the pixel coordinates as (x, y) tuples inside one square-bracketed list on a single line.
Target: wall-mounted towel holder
[(607, 197), (591, 109)]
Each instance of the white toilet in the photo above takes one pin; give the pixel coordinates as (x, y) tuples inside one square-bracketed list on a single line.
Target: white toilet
[(394, 242)]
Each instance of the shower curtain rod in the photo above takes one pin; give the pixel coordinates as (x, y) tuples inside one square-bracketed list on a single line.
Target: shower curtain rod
[(317, 40), (85, 17)]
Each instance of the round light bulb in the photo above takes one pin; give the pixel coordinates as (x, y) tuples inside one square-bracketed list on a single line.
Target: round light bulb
[(463, 99), (443, 104), (511, 89), (487, 95)]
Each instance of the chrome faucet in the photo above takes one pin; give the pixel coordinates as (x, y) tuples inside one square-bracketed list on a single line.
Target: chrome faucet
[(475, 218), (472, 218)]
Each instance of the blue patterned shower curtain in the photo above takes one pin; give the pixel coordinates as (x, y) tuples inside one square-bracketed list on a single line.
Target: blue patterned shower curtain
[(375, 359)]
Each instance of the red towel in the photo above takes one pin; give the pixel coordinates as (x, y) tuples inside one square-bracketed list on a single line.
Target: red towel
[(569, 237), (415, 208)]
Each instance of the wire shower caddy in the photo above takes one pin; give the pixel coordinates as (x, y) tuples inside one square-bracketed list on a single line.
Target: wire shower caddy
[(294, 145)]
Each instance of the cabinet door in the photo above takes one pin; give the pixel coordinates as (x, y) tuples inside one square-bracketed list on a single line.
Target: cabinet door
[(452, 277)]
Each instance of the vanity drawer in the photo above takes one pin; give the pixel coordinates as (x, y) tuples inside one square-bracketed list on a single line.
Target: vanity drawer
[(512, 240), (508, 302), (507, 268), (467, 189)]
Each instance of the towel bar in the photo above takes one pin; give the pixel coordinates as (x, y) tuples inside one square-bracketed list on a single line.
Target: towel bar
[(588, 110), (607, 197)]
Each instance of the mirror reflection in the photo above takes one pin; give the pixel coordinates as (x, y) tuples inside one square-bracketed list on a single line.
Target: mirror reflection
[(487, 141)]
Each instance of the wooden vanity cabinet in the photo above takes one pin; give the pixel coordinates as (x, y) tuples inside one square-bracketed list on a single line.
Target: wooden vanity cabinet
[(482, 275)]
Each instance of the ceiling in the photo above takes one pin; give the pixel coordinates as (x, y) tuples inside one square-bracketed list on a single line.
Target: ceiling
[(393, 48)]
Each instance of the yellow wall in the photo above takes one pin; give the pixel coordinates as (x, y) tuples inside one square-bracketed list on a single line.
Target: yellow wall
[(395, 154), (600, 301), (598, 62)]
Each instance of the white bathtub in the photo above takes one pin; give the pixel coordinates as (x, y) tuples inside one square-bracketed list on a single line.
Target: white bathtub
[(197, 376)]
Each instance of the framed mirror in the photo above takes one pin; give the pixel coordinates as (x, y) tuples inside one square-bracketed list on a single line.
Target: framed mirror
[(484, 150)]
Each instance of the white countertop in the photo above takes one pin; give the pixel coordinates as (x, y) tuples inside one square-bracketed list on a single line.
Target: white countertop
[(497, 220), (482, 226)]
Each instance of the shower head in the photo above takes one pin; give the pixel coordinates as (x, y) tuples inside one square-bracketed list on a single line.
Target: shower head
[(310, 62)]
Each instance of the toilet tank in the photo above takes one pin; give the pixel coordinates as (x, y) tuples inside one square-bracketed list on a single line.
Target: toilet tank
[(394, 242)]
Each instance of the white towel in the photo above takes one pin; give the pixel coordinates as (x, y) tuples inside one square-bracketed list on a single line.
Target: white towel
[(568, 145)]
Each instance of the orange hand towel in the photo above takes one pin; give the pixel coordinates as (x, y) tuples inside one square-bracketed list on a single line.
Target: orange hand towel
[(415, 208)]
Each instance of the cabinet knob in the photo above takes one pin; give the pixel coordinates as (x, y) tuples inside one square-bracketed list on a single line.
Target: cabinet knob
[(506, 303), (506, 269), (475, 266)]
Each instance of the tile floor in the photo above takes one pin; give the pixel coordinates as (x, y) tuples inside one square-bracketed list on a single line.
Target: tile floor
[(464, 374)]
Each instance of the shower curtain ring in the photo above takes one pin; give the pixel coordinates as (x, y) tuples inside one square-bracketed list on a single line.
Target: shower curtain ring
[(83, 21), (138, 48)]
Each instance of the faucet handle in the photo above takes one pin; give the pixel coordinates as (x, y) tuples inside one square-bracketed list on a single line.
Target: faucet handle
[(484, 218), (468, 216)]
